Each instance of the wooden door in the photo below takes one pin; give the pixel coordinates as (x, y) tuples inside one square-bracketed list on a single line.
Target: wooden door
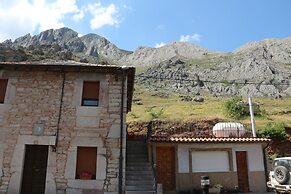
[(165, 159), (242, 171), (34, 171)]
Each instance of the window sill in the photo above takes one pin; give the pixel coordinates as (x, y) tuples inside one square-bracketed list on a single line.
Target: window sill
[(88, 111), (85, 184)]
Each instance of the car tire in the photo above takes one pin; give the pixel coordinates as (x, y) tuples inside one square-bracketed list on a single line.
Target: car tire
[(281, 174)]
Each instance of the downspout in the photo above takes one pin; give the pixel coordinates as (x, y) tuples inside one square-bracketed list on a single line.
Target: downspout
[(60, 110), (121, 134), (265, 165)]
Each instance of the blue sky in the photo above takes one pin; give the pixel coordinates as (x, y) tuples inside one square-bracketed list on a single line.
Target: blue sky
[(221, 25)]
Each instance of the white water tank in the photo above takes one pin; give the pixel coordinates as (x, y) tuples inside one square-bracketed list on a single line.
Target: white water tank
[(229, 129)]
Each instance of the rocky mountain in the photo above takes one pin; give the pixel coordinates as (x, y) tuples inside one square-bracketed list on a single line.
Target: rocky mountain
[(89, 48), (145, 56), (258, 68)]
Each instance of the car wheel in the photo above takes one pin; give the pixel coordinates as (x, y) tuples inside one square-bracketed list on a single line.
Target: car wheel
[(281, 174)]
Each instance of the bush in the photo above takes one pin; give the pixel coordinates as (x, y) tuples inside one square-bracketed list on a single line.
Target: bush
[(274, 131), (154, 112), (235, 108)]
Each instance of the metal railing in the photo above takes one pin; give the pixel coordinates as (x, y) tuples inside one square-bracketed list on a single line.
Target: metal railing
[(153, 164)]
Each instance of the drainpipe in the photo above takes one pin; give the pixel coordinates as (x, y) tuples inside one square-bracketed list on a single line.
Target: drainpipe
[(252, 117), (60, 110), (266, 165), (121, 133)]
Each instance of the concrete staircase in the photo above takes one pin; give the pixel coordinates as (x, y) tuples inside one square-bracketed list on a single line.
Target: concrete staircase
[(139, 172)]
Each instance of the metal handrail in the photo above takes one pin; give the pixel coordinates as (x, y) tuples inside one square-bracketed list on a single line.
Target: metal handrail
[(149, 134)]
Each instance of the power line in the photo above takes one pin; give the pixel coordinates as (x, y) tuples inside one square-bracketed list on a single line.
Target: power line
[(232, 82)]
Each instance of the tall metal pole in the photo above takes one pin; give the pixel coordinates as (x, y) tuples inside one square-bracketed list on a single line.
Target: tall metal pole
[(252, 117)]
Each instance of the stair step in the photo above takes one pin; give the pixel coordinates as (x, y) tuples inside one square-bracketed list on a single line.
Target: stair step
[(138, 163), (139, 173), (138, 177), (143, 150), (140, 188), (139, 156), (139, 168), (136, 141), (140, 192), (150, 182)]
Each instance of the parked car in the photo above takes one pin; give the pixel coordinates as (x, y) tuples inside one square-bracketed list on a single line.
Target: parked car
[(279, 177)]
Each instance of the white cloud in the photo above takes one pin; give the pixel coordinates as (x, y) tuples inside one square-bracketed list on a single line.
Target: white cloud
[(158, 45), (19, 17), (190, 38), (103, 15), (79, 15)]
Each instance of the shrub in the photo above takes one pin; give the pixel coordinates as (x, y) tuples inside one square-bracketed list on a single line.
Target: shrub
[(274, 131), (235, 108), (155, 112)]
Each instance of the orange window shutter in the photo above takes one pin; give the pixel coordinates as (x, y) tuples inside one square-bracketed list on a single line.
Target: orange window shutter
[(91, 89), (3, 86), (86, 161)]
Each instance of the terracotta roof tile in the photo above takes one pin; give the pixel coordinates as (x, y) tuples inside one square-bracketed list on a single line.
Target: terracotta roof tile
[(208, 140)]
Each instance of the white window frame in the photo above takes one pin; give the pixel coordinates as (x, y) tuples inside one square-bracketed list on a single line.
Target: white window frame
[(229, 161)]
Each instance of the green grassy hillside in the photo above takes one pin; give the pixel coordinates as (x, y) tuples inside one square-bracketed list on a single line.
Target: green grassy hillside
[(155, 105)]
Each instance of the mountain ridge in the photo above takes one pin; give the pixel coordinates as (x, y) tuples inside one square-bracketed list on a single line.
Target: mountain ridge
[(257, 68)]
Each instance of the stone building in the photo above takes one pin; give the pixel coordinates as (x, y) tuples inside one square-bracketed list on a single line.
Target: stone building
[(62, 127)]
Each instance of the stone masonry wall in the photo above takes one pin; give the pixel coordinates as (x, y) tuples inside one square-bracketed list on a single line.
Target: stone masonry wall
[(34, 100), (38, 99)]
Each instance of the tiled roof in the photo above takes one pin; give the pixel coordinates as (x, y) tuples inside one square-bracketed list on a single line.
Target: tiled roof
[(208, 140), (56, 63)]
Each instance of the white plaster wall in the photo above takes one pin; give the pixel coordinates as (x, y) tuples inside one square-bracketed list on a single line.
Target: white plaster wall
[(254, 156), (183, 159)]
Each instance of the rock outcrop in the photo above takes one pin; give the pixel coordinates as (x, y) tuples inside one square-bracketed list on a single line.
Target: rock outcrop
[(257, 68)]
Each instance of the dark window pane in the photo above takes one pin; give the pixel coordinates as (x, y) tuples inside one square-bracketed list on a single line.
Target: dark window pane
[(89, 102), (90, 96), (3, 86)]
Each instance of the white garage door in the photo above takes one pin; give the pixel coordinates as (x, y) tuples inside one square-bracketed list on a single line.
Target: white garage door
[(210, 161)]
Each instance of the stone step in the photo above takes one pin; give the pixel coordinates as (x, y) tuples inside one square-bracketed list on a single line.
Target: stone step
[(140, 192), (134, 163), (140, 173), (140, 188), (140, 156), (138, 168), (136, 153), (138, 177), (137, 149), (150, 182), (136, 141)]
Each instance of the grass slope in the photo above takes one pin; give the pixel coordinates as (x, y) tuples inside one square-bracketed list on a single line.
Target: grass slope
[(148, 105)]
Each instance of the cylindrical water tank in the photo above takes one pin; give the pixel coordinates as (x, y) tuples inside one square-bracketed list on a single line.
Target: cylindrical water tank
[(229, 129)]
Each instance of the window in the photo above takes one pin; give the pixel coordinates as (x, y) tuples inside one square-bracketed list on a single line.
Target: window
[(3, 86), (90, 95), (210, 161), (86, 163)]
